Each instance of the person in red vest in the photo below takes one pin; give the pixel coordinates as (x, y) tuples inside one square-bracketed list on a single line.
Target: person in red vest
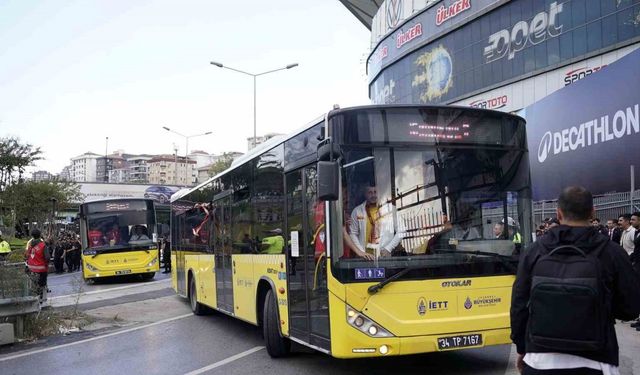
[(113, 236), (96, 238), (38, 261)]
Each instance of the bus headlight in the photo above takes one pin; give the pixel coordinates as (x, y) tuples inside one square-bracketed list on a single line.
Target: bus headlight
[(153, 261), (90, 267), (365, 325)]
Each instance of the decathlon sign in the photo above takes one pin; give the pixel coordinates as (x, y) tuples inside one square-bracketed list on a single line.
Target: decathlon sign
[(623, 123), (587, 133), (508, 42)]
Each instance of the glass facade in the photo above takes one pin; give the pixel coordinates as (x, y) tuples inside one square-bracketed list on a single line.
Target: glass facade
[(523, 37)]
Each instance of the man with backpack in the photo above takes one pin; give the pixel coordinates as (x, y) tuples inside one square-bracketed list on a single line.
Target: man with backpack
[(570, 287)]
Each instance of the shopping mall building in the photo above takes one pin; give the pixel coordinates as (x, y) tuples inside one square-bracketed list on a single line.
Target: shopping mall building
[(536, 58), (495, 54)]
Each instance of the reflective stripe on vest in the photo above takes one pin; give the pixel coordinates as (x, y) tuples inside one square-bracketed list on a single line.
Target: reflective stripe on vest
[(37, 268), (517, 238)]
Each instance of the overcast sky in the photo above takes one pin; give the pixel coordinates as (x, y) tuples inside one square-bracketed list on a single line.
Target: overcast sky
[(75, 72)]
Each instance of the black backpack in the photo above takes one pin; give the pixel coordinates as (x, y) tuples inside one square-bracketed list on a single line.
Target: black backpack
[(569, 302)]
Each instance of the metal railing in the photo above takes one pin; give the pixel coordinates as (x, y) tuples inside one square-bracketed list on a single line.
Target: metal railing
[(17, 297), (609, 206)]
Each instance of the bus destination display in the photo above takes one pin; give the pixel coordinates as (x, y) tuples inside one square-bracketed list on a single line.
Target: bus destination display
[(422, 130), (445, 129), (116, 206)]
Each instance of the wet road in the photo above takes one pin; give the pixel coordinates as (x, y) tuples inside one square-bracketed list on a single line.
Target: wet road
[(218, 344), (70, 283), (161, 336)]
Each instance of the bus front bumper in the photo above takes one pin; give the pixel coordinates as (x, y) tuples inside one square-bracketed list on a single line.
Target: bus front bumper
[(88, 274), (393, 346)]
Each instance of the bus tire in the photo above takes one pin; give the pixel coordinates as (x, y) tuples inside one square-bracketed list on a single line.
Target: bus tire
[(277, 346), (196, 307), (148, 276)]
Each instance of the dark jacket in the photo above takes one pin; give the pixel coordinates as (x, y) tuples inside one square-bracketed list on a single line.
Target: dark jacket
[(635, 255), (619, 277), (617, 235)]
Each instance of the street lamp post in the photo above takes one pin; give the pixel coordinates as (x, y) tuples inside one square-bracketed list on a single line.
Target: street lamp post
[(186, 151), (219, 65)]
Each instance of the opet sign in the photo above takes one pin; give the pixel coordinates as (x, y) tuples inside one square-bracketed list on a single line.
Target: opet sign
[(508, 42)]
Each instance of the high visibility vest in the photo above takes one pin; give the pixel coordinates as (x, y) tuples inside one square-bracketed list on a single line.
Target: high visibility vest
[(517, 238), (4, 247), (35, 258)]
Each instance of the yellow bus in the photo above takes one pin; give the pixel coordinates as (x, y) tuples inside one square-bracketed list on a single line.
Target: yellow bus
[(372, 231), (118, 237)]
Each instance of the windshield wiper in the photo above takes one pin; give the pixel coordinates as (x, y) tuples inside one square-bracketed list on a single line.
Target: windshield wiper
[(504, 259), (373, 289)]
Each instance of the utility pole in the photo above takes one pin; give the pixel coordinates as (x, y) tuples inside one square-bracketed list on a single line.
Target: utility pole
[(186, 151), (219, 65)]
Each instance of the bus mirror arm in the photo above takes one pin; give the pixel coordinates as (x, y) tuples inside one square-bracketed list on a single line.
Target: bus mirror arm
[(328, 150)]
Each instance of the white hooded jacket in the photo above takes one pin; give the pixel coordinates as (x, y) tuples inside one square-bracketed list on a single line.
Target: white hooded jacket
[(389, 239)]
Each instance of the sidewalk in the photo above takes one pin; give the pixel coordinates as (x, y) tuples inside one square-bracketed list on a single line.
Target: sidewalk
[(629, 342), (140, 312)]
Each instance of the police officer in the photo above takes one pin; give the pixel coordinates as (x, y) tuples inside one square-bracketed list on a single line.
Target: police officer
[(5, 249), (514, 235), (166, 255)]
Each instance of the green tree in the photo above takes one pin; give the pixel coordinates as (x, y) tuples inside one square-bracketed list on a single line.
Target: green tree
[(15, 156), (31, 201), (223, 163)]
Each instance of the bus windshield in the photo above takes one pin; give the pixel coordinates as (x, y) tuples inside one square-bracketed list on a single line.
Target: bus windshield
[(455, 204), (123, 227)]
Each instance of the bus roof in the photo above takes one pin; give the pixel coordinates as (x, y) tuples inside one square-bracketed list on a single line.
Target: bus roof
[(275, 141)]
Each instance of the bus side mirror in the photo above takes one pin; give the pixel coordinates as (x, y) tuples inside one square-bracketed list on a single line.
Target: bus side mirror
[(328, 175)]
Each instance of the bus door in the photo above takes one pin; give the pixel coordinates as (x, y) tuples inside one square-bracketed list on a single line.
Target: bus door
[(222, 253), (307, 280)]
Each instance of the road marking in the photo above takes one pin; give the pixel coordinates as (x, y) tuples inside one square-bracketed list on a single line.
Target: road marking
[(225, 361), (19, 355), (110, 289)]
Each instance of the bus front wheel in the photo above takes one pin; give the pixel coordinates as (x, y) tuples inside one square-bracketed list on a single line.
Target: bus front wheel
[(196, 306), (277, 346), (148, 276)]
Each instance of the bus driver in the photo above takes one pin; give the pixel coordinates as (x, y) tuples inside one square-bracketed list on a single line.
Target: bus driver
[(371, 227)]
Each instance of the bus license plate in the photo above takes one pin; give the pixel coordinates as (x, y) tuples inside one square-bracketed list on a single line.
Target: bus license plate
[(123, 272), (461, 341)]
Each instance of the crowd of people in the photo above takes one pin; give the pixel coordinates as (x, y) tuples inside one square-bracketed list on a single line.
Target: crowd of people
[(66, 251)]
